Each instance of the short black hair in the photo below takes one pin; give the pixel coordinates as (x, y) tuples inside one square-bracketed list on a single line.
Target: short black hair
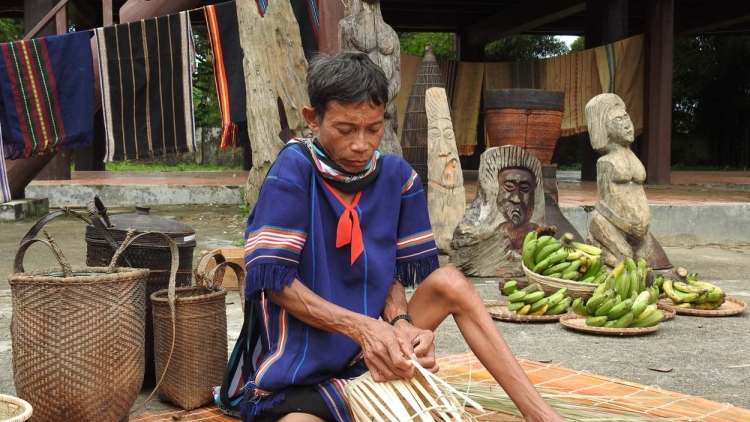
[(349, 77)]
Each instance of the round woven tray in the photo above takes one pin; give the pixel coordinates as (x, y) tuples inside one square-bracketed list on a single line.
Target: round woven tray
[(550, 285), (578, 323), (500, 312), (730, 307), (669, 312)]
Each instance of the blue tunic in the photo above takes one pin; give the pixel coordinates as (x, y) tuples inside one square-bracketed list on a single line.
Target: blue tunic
[(291, 233)]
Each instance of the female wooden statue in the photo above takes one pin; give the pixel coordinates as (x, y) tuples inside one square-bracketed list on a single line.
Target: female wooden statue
[(621, 221)]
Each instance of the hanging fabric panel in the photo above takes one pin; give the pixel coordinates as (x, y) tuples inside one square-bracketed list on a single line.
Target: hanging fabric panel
[(147, 88), (46, 94)]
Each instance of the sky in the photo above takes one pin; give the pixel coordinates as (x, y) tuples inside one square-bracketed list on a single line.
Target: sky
[(567, 39)]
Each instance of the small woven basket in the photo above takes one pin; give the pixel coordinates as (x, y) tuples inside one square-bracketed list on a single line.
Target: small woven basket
[(13, 409), (550, 285), (200, 335)]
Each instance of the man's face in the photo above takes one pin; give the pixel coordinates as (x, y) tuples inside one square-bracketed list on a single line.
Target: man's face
[(515, 196), (349, 133)]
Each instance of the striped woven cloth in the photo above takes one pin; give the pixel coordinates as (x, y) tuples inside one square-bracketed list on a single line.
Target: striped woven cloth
[(223, 29), (147, 88), (4, 185), (46, 95)]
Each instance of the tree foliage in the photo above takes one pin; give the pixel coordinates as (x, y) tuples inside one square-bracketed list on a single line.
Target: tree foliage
[(712, 96), (205, 102), (524, 47), (10, 29), (415, 42), (578, 45)]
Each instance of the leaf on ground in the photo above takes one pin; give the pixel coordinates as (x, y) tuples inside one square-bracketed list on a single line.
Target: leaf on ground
[(661, 369)]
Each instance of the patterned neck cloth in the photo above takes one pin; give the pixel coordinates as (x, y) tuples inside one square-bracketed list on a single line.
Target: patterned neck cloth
[(333, 173)]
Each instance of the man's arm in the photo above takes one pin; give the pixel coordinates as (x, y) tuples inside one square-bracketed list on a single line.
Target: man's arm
[(422, 340), (384, 347)]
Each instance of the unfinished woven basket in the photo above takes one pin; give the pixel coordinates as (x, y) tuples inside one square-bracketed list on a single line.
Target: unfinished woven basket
[(424, 398), (78, 338), (200, 336), (13, 409)]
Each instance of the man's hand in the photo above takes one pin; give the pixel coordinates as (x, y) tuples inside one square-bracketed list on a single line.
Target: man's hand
[(387, 349), (423, 342)]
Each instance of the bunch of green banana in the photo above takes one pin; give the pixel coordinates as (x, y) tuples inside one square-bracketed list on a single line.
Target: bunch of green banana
[(606, 308), (631, 278), (693, 293), (531, 300), (566, 259)]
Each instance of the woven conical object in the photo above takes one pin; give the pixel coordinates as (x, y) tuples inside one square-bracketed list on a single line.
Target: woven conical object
[(414, 134)]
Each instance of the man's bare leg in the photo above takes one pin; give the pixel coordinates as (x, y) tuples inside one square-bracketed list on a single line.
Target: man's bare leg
[(300, 417), (447, 292)]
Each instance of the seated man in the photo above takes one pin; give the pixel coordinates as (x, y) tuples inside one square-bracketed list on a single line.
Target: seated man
[(337, 234)]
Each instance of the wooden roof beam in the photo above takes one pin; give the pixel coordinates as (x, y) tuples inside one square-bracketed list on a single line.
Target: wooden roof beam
[(522, 17), (717, 14)]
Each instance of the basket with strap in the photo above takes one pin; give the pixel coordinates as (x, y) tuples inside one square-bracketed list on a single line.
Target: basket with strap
[(78, 338), (200, 335)]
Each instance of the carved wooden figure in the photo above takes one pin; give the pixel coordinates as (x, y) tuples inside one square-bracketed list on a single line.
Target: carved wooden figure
[(620, 223), (365, 30), (446, 198), (509, 204)]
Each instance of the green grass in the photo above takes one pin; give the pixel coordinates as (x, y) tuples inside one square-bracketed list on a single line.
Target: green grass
[(238, 242), (134, 166)]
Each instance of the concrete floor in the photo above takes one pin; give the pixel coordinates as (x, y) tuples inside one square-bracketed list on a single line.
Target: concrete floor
[(708, 357)]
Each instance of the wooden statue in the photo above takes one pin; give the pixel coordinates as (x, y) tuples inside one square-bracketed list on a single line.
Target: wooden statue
[(365, 30), (620, 223), (509, 204), (446, 198), (270, 76)]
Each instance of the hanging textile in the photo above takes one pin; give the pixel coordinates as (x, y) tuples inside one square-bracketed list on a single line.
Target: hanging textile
[(147, 88), (466, 104), (576, 75), (569, 73), (621, 72), (223, 30), (46, 94), (4, 185)]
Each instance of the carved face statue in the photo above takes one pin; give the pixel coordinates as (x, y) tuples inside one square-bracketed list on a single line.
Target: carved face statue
[(619, 126), (515, 196), (440, 136)]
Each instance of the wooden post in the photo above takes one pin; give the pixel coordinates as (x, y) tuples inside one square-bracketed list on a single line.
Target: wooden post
[(331, 12), (106, 12), (61, 21), (606, 22), (466, 52), (657, 101)]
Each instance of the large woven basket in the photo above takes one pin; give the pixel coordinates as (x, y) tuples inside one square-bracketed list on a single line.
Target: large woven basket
[(528, 118), (78, 338), (13, 409), (200, 335), (550, 284)]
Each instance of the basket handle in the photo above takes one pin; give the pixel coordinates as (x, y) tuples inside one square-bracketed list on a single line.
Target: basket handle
[(131, 236), (216, 277), (34, 230), (200, 271), (50, 242)]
